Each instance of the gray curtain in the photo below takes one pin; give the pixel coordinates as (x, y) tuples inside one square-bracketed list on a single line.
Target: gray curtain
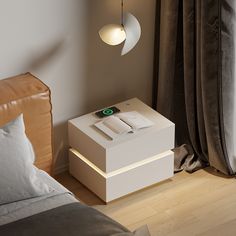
[(194, 80)]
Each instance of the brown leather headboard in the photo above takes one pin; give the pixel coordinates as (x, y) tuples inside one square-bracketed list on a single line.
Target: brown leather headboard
[(28, 95)]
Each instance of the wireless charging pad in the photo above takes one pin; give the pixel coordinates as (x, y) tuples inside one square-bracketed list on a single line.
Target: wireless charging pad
[(107, 112)]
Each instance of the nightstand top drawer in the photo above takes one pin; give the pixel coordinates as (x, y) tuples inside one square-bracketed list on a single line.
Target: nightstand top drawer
[(110, 155), (86, 123)]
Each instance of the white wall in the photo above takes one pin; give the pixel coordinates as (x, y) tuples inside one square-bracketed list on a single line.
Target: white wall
[(57, 40)]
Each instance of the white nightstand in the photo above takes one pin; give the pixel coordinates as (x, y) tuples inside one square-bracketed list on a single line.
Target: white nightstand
[(114, 168)]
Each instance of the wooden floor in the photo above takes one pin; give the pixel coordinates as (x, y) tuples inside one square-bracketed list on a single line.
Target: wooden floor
[(188, 204)]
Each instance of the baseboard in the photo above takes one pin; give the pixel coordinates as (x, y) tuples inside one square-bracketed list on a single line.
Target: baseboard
[(60, 169)]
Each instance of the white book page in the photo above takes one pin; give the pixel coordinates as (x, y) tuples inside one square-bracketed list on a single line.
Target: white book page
[(113, 127), (135, 120)]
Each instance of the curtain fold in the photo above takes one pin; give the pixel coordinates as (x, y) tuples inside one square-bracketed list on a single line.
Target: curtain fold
[(196, 80)]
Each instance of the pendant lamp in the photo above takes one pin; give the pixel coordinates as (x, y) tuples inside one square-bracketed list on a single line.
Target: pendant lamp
[(128, 31)]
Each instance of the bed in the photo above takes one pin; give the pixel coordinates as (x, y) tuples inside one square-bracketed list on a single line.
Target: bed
[(57, 211)]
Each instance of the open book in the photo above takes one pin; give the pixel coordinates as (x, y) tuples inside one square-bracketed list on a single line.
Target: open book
[(123, 123)]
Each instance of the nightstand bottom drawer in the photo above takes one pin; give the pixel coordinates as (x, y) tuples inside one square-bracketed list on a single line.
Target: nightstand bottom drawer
[(113, 185)]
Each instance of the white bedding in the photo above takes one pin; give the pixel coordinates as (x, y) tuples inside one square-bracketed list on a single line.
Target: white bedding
[(18, 176), (21, 209)]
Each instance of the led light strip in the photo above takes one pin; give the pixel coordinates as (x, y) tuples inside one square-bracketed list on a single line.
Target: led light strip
[(123, 169)]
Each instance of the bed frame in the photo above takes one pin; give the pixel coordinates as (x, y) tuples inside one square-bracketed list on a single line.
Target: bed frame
[(28, 95)]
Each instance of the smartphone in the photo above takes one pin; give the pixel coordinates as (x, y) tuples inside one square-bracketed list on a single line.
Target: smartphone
[(107, 112)]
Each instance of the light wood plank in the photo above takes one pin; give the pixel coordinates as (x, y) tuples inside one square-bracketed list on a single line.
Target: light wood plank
[(202, 204)]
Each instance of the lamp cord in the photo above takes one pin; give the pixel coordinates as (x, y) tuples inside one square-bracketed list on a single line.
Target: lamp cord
[(122, 13)]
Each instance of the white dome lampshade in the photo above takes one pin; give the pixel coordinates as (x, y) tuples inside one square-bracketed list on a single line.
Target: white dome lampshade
[(112, 34)]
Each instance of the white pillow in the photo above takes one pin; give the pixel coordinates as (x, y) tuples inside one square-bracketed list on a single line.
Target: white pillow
[(18, 179)]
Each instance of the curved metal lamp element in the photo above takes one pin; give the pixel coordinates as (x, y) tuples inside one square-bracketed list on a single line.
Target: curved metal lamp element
[(112, 34), (133, 32)]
